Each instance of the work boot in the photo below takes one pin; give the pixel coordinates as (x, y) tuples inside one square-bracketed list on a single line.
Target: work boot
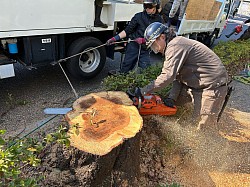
[(98, 22)]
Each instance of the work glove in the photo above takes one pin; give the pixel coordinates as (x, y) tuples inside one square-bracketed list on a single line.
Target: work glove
[(138, 92), (111, 41), (169, 102), (140, 41)]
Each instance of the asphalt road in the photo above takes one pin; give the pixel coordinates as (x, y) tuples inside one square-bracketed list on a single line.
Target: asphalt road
[(23, 97)]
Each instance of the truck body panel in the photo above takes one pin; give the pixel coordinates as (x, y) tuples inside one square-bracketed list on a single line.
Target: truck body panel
[(42, 17), (45, 30)]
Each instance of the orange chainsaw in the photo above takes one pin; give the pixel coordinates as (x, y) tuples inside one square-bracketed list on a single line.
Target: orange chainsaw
[(149, 104), (152, 104)]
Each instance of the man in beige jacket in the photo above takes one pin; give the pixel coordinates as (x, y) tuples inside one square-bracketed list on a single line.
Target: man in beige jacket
[(196, 72)]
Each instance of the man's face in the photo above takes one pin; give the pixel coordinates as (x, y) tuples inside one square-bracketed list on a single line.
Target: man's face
[(150, 8), (159, 44)]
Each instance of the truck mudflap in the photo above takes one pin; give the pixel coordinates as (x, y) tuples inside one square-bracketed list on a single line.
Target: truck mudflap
[(6, 67), (6, 71)]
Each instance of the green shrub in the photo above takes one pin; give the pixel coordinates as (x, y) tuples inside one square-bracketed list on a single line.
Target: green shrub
[(234, 55), (13, 158), (130, 81), (17, 155)]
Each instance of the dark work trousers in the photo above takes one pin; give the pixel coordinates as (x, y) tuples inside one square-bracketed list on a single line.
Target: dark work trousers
[(131, 57)]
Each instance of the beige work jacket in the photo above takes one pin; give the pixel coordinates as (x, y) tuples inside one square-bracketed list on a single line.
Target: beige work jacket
[(191, 63)]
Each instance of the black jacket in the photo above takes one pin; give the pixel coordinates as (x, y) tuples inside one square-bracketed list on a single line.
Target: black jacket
[(139, 23)]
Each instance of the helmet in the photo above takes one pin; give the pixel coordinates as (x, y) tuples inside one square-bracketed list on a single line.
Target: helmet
[(153, 31), (154, 2)]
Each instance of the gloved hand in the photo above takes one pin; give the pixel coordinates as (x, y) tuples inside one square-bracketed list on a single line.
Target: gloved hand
[(138, 92), (140, 41), (169, 102), (111, 41)]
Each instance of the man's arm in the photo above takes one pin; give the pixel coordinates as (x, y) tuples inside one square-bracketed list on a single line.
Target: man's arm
[(176, 89), (176, 55), (132, 26)]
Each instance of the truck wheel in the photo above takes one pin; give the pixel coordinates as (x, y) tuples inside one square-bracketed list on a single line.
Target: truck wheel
[(89, 64), (209, 40)]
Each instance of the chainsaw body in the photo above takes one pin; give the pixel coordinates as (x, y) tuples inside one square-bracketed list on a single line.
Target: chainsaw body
[(152, 104)]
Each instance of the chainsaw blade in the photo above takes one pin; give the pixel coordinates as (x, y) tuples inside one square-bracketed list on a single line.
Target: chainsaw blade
[(61, 111)]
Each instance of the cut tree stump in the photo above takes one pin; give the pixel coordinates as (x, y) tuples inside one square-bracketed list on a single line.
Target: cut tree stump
[(101, 121), (105, 143)]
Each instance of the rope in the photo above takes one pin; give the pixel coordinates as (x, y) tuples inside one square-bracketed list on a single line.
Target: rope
[(138, 58), (73, 89), (85, 51), (35, 129)]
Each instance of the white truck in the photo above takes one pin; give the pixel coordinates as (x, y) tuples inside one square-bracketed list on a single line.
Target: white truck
[(36, 33), (204, 20)]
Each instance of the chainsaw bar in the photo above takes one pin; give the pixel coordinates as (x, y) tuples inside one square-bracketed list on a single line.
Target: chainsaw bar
[(61, 111)]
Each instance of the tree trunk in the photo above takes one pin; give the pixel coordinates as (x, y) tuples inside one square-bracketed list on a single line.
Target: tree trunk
[(104, 154)]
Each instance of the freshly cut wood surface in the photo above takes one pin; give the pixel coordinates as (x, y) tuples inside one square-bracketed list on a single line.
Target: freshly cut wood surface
[(102, 121)]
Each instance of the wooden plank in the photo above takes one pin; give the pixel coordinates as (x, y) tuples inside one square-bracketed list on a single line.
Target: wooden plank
[(202, 9), (215, 10)]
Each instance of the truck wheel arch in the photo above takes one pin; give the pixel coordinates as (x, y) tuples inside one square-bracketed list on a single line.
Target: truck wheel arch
[(86, 65)]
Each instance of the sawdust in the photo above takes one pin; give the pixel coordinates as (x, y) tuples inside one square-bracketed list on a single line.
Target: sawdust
[(218, 157), (230, 179)]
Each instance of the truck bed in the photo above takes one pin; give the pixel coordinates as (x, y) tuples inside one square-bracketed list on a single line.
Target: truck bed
[(201, 16)]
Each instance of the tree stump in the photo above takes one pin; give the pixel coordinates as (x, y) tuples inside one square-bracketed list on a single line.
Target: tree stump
[(105, 143)]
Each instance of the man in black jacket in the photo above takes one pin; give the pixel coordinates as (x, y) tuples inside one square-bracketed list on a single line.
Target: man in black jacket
[(135, 31)]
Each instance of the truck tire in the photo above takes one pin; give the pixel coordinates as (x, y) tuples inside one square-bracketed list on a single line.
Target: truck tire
[(86, 65), (209, 40), (245, 35)]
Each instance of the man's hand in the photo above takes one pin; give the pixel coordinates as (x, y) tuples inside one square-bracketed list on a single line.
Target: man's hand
[(169, 102), (140, 41), (111, 41), (138, 92)]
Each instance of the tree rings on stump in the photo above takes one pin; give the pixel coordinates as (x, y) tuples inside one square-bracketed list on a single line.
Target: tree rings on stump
[(102, 121)]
